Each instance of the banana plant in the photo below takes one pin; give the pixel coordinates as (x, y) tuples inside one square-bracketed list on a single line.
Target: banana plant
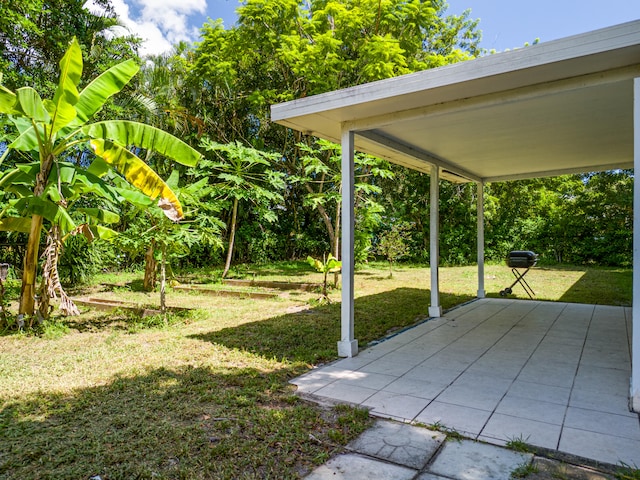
[(51, 131), (325, 266), (72, 184)]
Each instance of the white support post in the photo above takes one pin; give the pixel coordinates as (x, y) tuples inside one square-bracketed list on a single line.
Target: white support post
[(435, 310), (348, 345), (480, 188), (634, 398)]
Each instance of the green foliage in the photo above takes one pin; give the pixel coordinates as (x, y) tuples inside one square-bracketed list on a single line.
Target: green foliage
[(627, 472), (519, 444), (393, 243), (146, 223), (60, 127), (321, 177), (286, 49), (331, 264), (80, 260), (335, 44), (221, 89), (242, 175), (52, 329), (35, 35), (257, 244), (325, 266), (524, 470), (579, 219)]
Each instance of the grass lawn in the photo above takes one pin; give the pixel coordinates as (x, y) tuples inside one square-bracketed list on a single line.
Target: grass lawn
[(207, 395)]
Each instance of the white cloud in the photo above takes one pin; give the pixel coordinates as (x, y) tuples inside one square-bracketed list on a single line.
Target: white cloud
[(160, 23)]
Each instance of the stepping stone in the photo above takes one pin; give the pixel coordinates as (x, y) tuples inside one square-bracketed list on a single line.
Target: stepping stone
[(356, 467), (399, 443), (467, 459)]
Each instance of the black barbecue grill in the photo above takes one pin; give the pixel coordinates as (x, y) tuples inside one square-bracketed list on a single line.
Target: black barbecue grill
[(517, 260)]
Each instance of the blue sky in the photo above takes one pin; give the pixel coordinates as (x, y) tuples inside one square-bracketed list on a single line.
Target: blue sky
[(505, 24)]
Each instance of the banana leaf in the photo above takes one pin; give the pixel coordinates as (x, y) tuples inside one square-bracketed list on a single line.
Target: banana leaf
[(8, 101), (31, 105), (15, 224), (140, 175), (62, 109), (101, 214), (127, 133)]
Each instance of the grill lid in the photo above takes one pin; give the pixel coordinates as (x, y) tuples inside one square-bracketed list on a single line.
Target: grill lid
[(521, 259)]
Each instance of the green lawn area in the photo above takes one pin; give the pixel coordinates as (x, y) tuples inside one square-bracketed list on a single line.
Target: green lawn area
[(207, 394)]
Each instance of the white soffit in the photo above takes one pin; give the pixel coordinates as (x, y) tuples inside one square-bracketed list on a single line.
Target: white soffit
[(558, 107)]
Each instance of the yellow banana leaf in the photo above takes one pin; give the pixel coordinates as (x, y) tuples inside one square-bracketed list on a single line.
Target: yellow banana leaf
[(140, 175)]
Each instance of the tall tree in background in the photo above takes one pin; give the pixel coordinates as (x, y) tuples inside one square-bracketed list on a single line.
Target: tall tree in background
[(242, 174), (286, 49), (322, 179), (34, 34)]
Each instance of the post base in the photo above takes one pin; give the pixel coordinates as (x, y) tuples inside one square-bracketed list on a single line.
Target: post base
[(482, 294), (435, 312), (634, 402), (347, 348)]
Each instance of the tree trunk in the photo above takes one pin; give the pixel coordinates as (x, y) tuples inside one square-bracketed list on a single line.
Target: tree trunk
[(30, 268), (333, 238), (51, 285), (232, 236), (150, 268), (28, 289), (163, 283)]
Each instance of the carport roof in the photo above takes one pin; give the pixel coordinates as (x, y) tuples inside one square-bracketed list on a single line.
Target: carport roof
[(559, 107)]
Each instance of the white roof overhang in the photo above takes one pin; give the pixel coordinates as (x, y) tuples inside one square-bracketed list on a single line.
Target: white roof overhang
[(564, 106)]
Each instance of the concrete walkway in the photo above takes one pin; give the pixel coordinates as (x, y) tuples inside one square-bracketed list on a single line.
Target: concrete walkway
[(555, 375), (395, 451)]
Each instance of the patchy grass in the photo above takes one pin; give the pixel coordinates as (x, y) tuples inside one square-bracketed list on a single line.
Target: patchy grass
[(206, 395), (519, 444), (452, 434), (524, 470), (627, 472)]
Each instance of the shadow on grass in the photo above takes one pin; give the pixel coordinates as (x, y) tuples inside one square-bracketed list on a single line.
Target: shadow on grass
[(121, 320), (601, 287), (310, 336), (280, 268), (195, 423), (96, 322)]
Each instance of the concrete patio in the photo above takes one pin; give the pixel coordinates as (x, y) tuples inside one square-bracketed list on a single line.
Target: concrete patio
[(555, 375)]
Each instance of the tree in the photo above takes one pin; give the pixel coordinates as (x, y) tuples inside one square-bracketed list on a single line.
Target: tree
[(322, 178), (607, 224), (286, 49), (393, 244), (281, 50), (34, 34), (243, 174), (57, 128), (159, 98)]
